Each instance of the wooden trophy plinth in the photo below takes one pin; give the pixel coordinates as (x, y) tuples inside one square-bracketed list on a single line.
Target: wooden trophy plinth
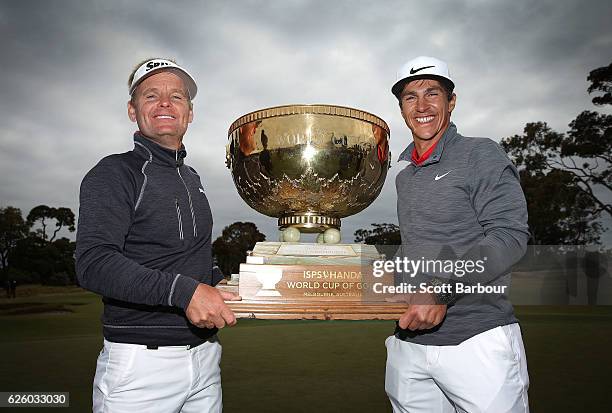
[(311, 281)]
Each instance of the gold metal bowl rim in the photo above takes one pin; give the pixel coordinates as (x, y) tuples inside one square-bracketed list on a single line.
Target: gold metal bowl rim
[(313, 109)]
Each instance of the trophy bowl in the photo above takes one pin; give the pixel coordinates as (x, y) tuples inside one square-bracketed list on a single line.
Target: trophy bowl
[(308, 165)]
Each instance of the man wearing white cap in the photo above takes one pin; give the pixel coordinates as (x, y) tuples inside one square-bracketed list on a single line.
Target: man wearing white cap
[(144, 244), (456, 348)]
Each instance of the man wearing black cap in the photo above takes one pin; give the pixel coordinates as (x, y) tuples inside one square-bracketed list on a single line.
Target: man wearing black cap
[(458, 347), (144, 244)]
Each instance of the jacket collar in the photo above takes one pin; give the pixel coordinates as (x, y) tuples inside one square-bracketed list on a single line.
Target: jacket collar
[(157, 153), (448, 135)]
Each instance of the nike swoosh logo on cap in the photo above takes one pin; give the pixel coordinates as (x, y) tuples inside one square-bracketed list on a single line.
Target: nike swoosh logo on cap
[(413, 71), (442, 176)]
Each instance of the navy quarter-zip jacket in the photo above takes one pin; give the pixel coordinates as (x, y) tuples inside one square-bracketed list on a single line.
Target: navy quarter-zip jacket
[(144, 244)]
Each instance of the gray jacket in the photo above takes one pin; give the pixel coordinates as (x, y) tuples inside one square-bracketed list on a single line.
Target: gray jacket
[(464, 203)]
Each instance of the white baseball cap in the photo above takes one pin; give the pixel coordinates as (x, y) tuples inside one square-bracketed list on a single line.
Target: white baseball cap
[(422, 67), (162, 65)]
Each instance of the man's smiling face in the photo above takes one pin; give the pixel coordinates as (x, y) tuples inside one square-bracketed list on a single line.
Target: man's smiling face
[(426, 108), (161, 108)]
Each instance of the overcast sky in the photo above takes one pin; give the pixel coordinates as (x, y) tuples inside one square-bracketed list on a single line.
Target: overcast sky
[(65, 67)]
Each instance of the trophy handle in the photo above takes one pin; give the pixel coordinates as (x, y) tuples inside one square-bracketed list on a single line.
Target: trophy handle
[(228, 157)]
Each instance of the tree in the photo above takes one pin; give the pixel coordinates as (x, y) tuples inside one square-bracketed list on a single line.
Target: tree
[(585, 152), (31, 253), (230, 249), (12, 229), (601, 81), (62, 250), (62, 216), (559, 213), (583, 155), (382, 234), (44, 261), (42, 213), (30, 258)]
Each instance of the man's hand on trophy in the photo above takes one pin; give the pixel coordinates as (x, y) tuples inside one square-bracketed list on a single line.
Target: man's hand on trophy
[(207, 308)]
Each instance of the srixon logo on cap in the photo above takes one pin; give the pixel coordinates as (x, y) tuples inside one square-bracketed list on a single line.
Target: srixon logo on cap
[(153, 65)]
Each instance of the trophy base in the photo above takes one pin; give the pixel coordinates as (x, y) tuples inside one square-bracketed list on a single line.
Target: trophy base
[(316, 311), (311, 281)]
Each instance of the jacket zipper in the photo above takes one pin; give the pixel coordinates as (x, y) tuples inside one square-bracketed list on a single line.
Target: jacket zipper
[(180, 220), (195, 228)]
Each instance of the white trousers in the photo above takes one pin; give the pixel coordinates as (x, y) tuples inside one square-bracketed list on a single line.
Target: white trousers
[(486, 373), (133, 379)]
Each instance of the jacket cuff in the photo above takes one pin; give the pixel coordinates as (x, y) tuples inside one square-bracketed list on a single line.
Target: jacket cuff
[(181, 291), (448, 295)]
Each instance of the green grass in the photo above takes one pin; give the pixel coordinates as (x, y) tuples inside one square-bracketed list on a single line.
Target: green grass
[(301, 366)]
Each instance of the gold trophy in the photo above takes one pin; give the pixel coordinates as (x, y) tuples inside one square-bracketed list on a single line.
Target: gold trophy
[(309, 166)]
